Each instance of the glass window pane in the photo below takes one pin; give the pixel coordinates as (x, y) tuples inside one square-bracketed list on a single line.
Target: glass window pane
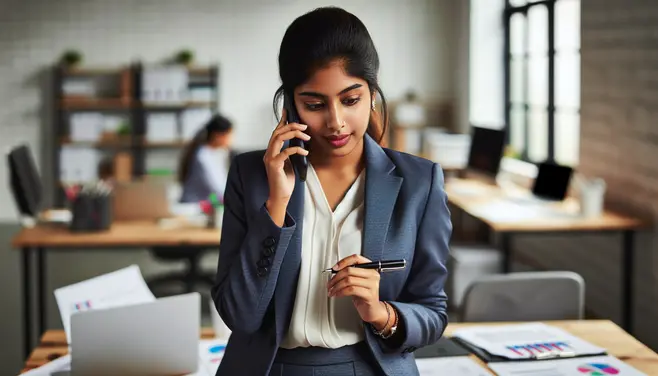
[(517, 80), (567, 80), (517, 3), (567, 25), (517, 129), (567, 137), (538, 80), (517, 34), (538, 134), (538, 30)]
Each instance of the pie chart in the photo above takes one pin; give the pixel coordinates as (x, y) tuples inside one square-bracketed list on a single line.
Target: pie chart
[(216, 349), (597, 369)]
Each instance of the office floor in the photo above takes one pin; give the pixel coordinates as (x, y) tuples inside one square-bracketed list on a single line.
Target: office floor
[(64, 268)]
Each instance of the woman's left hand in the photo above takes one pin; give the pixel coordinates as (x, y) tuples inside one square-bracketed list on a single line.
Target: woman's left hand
[(363, 286)]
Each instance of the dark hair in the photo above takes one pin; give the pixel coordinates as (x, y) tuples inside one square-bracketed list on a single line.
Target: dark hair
[(217, 124), (321, 36)]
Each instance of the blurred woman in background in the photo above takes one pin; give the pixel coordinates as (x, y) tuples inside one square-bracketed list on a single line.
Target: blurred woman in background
[(204, 165)]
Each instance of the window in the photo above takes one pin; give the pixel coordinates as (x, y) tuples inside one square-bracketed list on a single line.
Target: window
[(542, 79)]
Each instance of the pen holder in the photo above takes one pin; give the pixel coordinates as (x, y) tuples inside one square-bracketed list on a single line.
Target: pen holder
[(215, 216), (91, 213)]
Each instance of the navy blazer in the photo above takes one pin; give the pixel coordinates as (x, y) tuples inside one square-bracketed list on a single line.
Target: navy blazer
[(406, 217)]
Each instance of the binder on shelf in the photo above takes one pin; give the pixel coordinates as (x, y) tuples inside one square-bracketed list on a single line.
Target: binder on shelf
[(524, 342)]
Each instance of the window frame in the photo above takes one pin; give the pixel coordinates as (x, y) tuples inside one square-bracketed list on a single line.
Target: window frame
[(509, 12)]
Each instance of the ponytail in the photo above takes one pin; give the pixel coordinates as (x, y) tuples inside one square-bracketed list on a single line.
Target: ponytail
[(188, 154)]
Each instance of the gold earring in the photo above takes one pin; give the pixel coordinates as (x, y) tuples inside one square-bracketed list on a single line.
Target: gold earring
[(373, 104)]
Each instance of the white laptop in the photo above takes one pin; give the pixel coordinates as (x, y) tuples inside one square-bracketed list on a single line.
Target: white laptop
[(155, 338)]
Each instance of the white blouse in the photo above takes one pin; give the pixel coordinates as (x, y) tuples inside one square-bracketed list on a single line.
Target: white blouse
[(318, 320)]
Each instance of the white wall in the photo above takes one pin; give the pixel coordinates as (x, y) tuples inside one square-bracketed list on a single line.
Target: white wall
[(416, 41)]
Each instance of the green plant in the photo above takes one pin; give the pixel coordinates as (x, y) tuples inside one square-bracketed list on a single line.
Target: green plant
[(510, 152), (184, 57), (71, 57), (123, 129)]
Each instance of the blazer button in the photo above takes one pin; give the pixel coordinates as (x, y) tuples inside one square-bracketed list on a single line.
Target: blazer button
[(262, 272), (269, 251), (264, 262), (269, 241)]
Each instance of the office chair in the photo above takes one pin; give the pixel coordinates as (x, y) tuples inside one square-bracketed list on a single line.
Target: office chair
[(190, 278), (527, 296)]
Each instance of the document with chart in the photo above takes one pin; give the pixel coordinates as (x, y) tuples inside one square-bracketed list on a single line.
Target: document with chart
[(587, 366), (526, 341), (120, 288)]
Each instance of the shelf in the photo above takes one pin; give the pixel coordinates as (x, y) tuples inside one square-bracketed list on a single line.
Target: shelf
[(95, 104), (93, 71), (102, 144), (164, 145), (177, 106), (198, 70)]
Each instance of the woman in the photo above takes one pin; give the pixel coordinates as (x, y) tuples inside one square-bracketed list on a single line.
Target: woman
[(360, 202), (204, 166)]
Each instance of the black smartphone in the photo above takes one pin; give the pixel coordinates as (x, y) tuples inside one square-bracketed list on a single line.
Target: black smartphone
[(299, 162)]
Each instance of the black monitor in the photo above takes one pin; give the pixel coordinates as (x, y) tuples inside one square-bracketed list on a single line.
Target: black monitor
[(486, 152), (552, 181), (24, 181)]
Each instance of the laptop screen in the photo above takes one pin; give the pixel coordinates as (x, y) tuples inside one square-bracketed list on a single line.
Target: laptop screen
[(552, 181)]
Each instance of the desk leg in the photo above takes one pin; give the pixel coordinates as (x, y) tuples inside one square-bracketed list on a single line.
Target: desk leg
[(627, 280), (42, 311), (506, 248), (27, 302)]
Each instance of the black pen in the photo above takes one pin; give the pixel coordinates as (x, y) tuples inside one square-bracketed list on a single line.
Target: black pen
[(381, 266)]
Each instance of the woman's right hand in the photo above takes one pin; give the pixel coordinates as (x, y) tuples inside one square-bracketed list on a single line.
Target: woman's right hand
[(280, 174)]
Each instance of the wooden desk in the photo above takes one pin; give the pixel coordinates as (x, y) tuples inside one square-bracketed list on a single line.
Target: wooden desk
[(35, 241), (510, 211), (602, 333)]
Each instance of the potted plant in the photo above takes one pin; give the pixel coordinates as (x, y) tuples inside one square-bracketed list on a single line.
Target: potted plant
[(71, 58), (185, 57)]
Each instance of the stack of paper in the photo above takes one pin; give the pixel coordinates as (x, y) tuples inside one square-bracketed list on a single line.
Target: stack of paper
[(120, 288), (599, 365), (526, 341), (161, 127), (165, 84), (86, 126), (78, 164), (453, 365)]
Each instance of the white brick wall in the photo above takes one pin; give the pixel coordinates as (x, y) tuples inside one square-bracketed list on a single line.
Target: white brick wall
[(619, 142), (417, 42)]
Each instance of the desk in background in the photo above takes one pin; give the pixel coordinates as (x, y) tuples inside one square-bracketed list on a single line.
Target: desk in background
[(497, 208), (601, 333), (36, 241)]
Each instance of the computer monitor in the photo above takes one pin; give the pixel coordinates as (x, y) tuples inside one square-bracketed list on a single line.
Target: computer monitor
[(486, 152), (552, 181), (24, 181)]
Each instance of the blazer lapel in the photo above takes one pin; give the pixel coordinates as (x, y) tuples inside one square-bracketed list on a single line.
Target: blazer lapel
[(286, 288), (381, 193)]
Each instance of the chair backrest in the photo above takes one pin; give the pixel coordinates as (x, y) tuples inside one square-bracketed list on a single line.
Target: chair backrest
[(24, 180), (527, 296)]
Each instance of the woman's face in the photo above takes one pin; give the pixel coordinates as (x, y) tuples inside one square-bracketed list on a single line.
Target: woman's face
[(336, 109), (221, 139)]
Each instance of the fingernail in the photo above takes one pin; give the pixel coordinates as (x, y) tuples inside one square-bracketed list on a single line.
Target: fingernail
[(304, 126)]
